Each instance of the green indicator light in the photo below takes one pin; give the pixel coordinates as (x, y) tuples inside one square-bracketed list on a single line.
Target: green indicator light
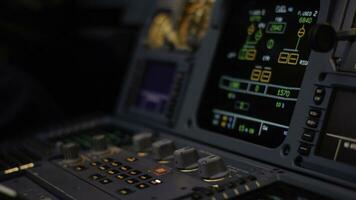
[(241, 128), (258, 35), (276, 27), (251, 131), (270, 43), (231, 95), (235, 85)]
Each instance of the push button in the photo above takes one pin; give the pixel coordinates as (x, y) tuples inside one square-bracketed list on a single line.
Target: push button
[(115, 164), (160, 170), (156, 182), (107, 160), (125, 168), (312, 123), (134, 172), (308, 136), (125, 191), (121, 176), (105, 181), (144, 177), (314, 113), (113, 172), (79, 168), (142, 186), (131, 159), (131, 181), (304, 149), (95, 177), (104, 168), (95, 164), (319, 95)]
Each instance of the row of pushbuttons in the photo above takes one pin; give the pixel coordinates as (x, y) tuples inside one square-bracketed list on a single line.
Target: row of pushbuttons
[(312, 123), (122, 173), (123, 176)]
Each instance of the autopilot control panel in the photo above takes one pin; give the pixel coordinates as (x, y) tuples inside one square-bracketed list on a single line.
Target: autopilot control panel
[(223, 99)]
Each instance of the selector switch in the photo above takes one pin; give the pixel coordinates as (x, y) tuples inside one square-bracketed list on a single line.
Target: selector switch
[(142, 142), (99, 143), (212, 168), (163, 149), (71, 152), (186, 158)]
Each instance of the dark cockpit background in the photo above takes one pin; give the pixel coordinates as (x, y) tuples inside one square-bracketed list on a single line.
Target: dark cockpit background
[(61, 59)]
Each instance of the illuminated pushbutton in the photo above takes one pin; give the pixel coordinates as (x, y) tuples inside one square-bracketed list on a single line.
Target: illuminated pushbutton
[(212, 168), (163, 149), (142, 142), (186, 159)]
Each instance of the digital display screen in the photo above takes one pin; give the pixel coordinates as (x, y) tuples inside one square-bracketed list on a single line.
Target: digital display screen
[(156, 86), (338, 140), (258, 70)]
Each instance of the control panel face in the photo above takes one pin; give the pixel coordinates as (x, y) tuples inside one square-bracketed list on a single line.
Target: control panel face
[(258, 69), (338, 139)]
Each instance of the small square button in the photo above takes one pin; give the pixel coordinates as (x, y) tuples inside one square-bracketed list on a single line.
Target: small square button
[(95, 177), (156, 182), (142, 186), (125, 168), (131, 181), (308, 136), (131, 159), (121, 176), (315, 113), (144, 177), (79, 168), (107, 160), (304, 149), (104, 168), (95, 164), (160, 171), (105, 181), (115, 164), (113, 172), (134, 172), (125, 191)]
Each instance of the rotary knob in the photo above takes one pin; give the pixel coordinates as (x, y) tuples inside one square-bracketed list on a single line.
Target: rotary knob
[(71, 152), (163, 149), (142, 142), (186, 158), (323, 38), (99, 143), (212, 168)]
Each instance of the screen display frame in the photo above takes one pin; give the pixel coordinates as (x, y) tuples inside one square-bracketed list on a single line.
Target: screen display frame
[(203, 103), (134, 81), (328, 116)]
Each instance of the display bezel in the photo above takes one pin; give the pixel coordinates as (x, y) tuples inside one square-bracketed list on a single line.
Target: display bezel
[(204, 104)]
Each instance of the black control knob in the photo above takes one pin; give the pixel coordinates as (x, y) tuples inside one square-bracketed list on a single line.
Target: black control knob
[(70, 151), (186, 158), (163, 149), (323, 38), (99, 143), (212, 168), (142, 142)]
